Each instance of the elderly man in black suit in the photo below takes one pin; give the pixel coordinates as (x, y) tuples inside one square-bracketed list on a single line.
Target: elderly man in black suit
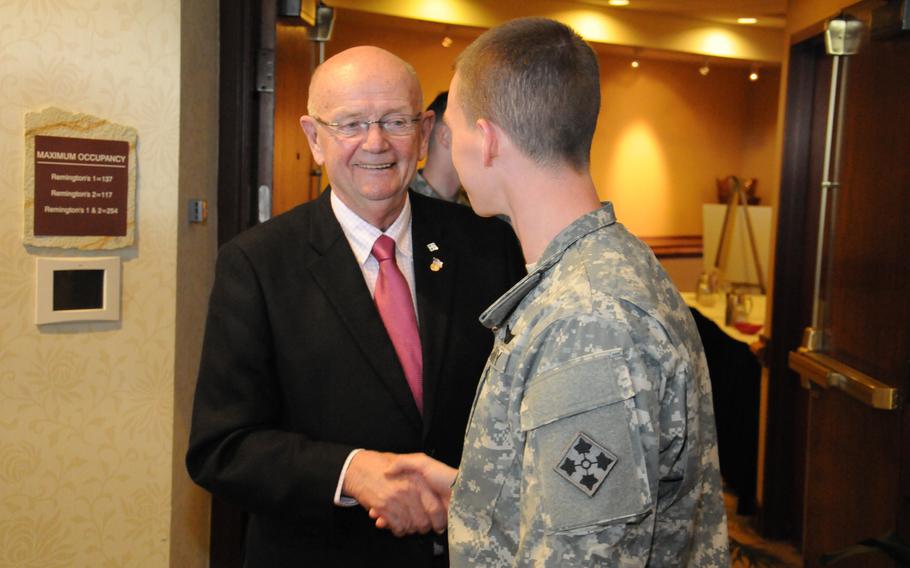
[(323, 362)]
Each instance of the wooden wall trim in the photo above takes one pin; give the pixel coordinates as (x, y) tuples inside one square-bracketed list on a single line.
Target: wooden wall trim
[(677, 246)]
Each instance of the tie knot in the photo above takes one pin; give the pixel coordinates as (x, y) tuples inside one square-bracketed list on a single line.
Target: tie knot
[(384, 248)]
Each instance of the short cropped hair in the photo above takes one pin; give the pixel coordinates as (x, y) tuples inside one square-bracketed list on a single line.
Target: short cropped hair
[(439, 104), (537, 80)]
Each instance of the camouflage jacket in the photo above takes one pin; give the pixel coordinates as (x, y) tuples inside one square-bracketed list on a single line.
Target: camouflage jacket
[(420, 185), (591, 440)]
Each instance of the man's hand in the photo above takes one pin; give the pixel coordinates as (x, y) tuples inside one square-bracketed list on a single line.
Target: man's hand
[(397, 496), (437, 475)]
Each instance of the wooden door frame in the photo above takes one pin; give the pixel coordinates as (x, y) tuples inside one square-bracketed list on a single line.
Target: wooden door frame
[(239, 155), (780, 513), (238, 115)]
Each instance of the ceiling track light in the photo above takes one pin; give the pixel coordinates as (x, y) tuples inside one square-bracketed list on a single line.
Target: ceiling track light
[(704, 69), (635, 63), (753, 72)]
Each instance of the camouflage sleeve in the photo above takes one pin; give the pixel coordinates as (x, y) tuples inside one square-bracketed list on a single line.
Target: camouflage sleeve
[(587, 498)]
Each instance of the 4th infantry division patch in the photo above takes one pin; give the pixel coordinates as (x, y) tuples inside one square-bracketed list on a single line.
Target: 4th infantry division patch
[(586, 464)]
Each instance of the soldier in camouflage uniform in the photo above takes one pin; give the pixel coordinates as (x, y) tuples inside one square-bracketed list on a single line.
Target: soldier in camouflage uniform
[(420, 185), (591, 441), (439, 161)]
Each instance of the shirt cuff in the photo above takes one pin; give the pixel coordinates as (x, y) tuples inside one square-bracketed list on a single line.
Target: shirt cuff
[(340, 499)]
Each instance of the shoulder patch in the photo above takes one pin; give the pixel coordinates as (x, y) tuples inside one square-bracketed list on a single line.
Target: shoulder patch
[(586, 464)]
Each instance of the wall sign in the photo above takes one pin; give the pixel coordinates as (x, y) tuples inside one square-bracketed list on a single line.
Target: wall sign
[(80, 181), (80, 186)]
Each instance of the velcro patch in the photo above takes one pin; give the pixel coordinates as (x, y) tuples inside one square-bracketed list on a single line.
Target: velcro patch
[(586, 464)]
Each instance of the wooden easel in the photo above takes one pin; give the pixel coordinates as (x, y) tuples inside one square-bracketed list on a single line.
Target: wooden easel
[(737, 198)]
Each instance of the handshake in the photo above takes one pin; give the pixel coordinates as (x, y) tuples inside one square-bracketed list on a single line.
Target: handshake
[(404, 493)]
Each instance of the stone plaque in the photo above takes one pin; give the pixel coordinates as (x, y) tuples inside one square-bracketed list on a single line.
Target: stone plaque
[(80, 181)]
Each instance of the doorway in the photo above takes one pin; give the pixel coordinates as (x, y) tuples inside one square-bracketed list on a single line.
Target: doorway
[(833, 402)]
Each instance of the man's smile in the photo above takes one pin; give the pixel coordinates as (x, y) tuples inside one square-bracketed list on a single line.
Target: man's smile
[(376, 166)]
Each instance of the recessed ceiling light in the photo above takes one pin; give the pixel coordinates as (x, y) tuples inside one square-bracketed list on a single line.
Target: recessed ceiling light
[(746, 20), (704, 69), (618, 2)]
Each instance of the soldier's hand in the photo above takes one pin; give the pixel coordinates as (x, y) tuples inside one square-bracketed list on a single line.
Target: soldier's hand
[(437, 475), (401, 501)]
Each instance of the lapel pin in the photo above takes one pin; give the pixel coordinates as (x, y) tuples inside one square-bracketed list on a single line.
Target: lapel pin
[(433, 248), (436, 265)]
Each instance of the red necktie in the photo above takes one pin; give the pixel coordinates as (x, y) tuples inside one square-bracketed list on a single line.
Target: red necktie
[(393, 299)]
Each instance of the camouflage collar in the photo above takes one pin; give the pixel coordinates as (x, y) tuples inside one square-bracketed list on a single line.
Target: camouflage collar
[(420, 185), (502, 308)]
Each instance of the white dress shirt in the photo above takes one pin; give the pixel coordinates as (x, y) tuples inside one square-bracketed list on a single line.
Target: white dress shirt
[(361, 235)]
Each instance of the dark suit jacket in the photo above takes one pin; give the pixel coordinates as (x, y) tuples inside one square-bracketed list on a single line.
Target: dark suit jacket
[(297, 370)]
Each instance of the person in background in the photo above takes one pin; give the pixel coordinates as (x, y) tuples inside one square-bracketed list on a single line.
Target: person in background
[(438, 177), (592, 439), (342, 337)]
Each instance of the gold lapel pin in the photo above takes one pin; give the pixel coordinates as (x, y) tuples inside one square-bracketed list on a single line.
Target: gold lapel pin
[(436, 265), (432, 247)]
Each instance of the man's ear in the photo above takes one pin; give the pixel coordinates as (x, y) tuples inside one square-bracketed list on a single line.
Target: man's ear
[(490, 144), (309, 128), (427, 120), (443, 136)]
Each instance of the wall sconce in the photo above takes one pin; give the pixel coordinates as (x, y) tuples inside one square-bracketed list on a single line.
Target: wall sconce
[(704, 69)]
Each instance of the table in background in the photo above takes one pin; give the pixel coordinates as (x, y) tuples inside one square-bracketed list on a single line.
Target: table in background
[(716, 312), (736, 386)]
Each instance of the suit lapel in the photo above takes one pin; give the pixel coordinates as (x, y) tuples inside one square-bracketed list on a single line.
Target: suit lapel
[(435, 274), (336, 272)]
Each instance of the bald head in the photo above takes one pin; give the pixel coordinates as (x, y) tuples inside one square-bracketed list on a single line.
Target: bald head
[(363, 66), (370, 164)]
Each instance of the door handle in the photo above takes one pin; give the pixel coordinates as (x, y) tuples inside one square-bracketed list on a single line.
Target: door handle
[(828, 372), (264, 203)]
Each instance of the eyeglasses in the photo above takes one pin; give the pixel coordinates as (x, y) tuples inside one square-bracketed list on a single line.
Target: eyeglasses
[(394, 125)]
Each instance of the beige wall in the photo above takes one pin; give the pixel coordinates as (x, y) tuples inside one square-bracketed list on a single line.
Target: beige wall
[(89, 469), (664, 133), (196, 249)]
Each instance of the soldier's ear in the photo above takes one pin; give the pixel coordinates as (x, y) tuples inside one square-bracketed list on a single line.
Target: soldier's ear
[(490, 143)]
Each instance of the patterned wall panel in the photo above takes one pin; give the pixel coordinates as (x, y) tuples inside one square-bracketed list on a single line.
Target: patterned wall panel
[(86, 410)]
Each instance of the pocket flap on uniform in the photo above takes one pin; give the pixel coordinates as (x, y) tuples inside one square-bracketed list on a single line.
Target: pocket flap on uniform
[(580, 385)]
